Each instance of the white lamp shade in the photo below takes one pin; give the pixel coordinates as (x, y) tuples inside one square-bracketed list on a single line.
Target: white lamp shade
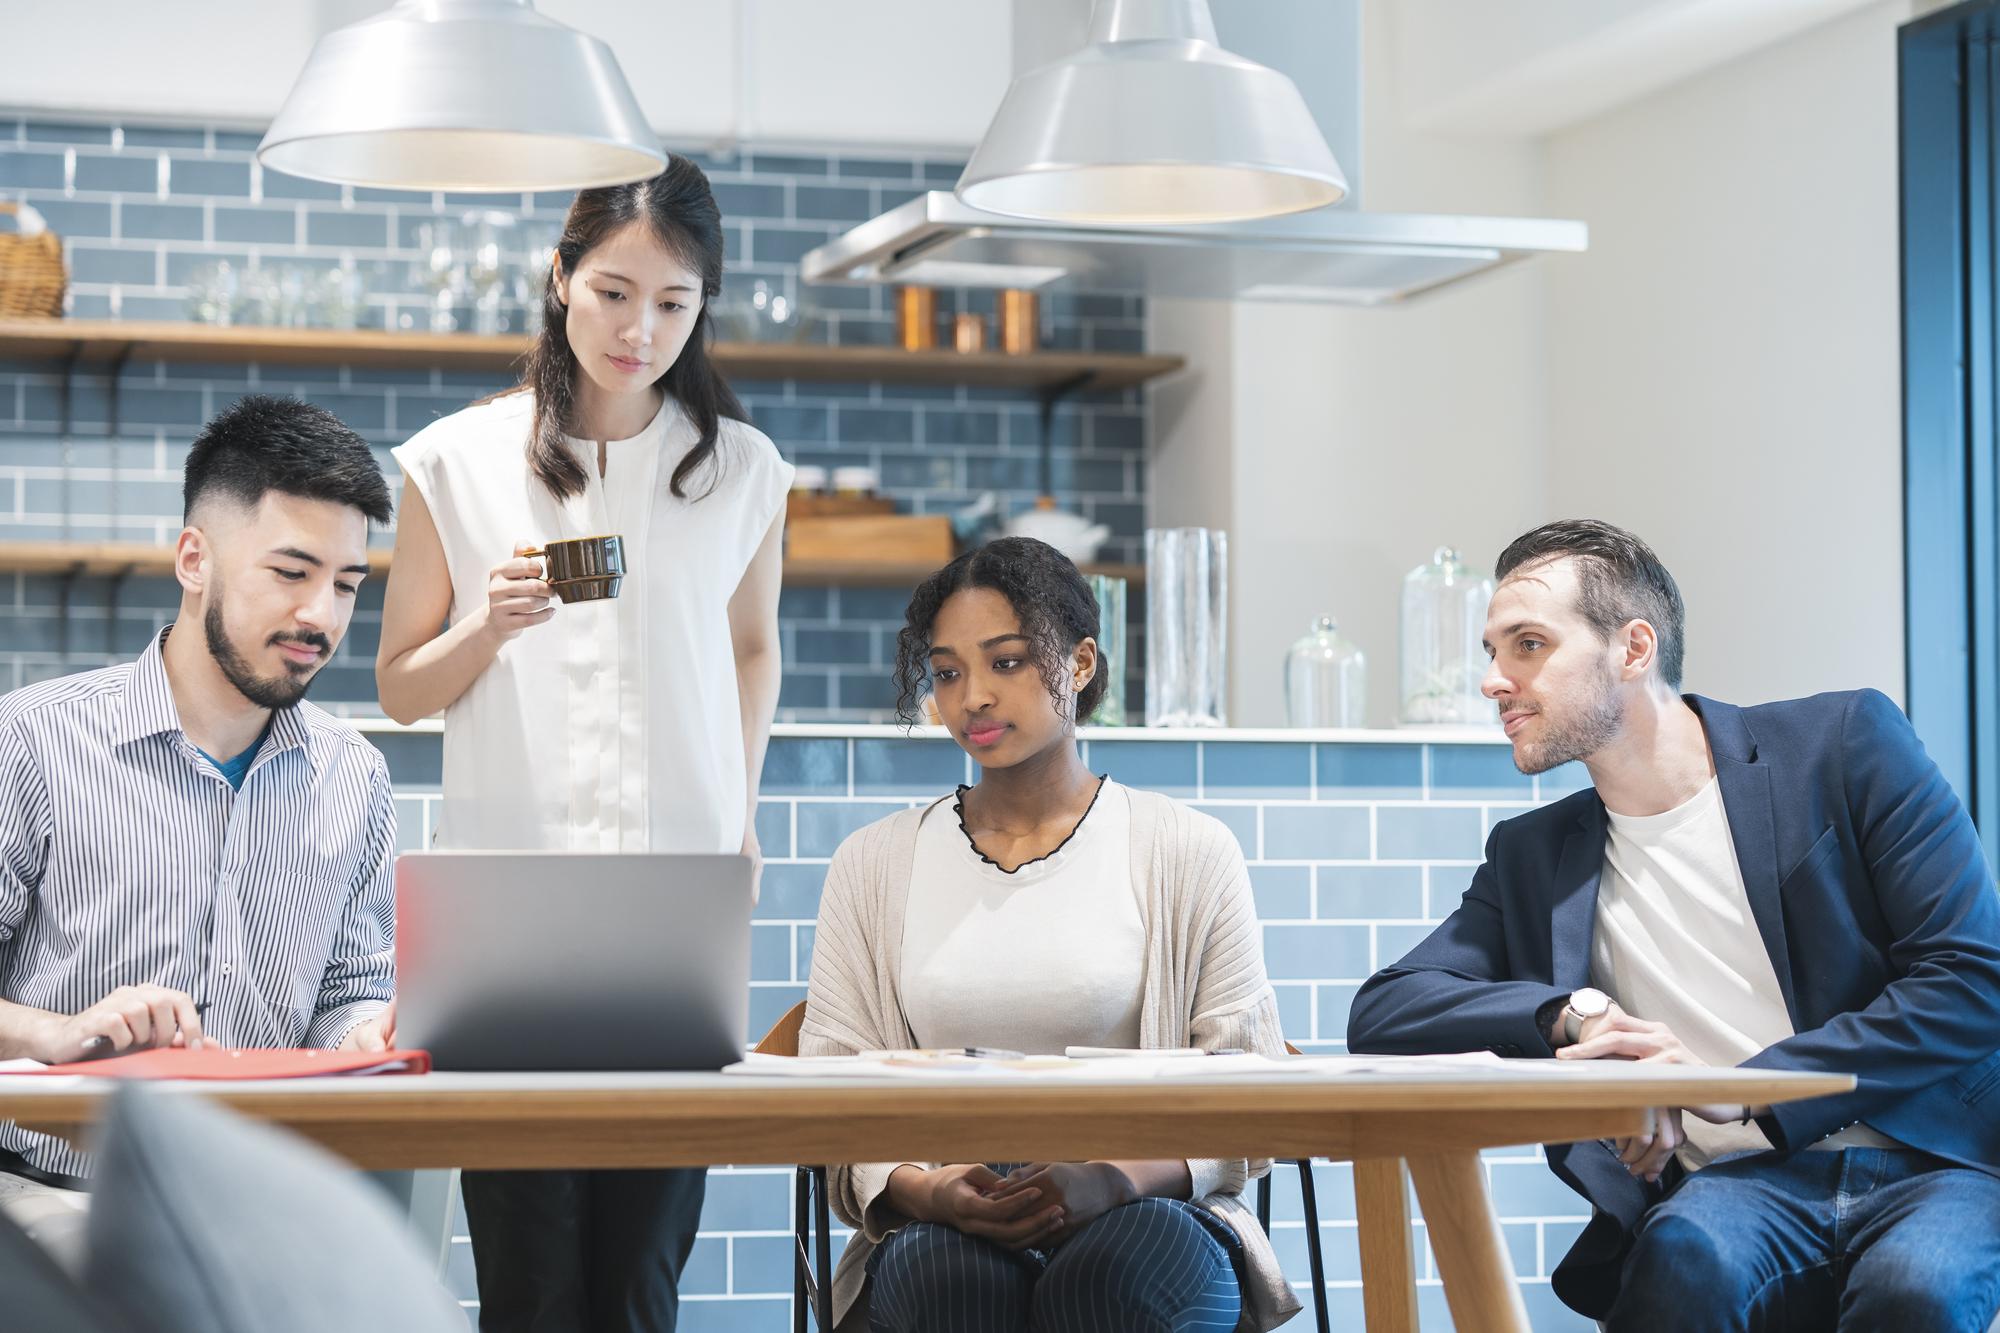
[(1152, 123), (474, 95)]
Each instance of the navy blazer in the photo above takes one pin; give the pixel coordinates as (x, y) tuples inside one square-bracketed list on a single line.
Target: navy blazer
[(1874, 899)]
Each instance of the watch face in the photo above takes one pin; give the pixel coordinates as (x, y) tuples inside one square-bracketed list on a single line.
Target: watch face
[(1590, 1002)]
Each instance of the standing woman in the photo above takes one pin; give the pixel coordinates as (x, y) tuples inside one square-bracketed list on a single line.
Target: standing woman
[(633, 724)]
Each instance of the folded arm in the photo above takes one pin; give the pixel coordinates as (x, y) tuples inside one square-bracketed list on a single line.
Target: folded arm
[(1456, 990)]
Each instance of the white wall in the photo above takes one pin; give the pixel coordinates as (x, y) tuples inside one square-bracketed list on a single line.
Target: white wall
[(1720, 372), (222, 59), (1723, 365), (904, 74), (1529, 67), (1361, 439)]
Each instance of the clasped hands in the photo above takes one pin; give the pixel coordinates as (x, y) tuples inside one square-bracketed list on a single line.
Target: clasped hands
[(1617, 1035), (1030, 1207)]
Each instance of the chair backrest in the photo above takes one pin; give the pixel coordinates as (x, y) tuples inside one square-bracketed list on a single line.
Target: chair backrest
[(783, 1038)]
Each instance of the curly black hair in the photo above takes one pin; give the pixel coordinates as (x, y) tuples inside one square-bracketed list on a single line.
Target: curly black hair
[(1047, 592)]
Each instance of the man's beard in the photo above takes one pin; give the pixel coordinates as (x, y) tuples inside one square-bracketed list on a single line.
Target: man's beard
[(1581, 729), (264, 691)]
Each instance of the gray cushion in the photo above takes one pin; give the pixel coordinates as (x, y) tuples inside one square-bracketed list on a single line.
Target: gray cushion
[(204, 1220), (40, 1296)]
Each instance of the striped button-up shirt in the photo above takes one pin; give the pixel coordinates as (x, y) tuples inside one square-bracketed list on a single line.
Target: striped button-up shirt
[(126, 858)]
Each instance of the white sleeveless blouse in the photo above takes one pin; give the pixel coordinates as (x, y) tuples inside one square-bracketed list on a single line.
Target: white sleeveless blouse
[(616, 725)]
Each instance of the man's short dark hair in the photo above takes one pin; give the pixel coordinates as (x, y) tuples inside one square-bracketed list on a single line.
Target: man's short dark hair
[(1619, 580), (262, 443)]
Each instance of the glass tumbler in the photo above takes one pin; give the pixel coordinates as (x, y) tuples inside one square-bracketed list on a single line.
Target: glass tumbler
[(1110, 595), (1187, 618)]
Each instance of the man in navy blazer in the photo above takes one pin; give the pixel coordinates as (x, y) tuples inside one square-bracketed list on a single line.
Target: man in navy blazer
[(1788, 886)]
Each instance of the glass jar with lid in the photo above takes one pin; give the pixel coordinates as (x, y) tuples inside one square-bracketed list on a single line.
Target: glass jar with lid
[(1326, 679), (1444, 619)]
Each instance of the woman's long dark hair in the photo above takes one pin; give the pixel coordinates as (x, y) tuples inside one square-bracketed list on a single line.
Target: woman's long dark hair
[(679, 209), (1050, 595)]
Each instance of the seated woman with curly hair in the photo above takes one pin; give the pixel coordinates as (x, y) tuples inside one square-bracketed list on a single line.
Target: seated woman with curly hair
[(1041, 907)]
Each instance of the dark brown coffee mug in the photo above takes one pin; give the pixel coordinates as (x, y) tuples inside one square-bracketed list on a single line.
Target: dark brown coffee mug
[(582, 569)]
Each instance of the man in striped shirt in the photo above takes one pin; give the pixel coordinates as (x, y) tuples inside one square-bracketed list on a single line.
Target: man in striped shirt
[(189, 852)]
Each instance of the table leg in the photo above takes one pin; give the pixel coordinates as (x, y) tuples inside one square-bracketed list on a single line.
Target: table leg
[(1465, 1237), (1388, 1266)]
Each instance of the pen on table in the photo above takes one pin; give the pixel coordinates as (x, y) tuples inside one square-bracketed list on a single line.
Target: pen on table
[(96, 1048), (100, 1046), (946, 1053), (1136, 1053)]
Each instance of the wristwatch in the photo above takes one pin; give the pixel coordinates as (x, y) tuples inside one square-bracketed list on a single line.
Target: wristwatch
[(1583, 1006)]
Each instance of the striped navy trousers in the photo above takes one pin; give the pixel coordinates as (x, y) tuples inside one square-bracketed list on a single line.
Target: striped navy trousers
[(1152, 1266)]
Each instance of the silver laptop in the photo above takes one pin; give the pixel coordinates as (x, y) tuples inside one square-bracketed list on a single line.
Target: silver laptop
[(538, 960)]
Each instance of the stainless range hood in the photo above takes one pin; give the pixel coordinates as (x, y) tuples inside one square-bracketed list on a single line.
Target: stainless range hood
[(1329, 255)]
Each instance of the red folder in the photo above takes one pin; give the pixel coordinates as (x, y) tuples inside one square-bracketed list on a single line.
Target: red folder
[(217, 1062)]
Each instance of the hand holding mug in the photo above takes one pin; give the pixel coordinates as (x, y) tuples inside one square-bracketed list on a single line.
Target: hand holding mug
[(516, 596), (581, 569)]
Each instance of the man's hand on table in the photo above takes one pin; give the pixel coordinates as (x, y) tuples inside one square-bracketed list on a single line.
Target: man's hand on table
[(1617, 1035), (376, 1034), (131, 1018)]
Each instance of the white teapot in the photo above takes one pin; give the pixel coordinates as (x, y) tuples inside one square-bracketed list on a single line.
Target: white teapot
[(1072, 534)]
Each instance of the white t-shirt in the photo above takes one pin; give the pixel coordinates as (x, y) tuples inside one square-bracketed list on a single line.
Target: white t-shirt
[(615, 726), (1676, 942), (1051, 955)]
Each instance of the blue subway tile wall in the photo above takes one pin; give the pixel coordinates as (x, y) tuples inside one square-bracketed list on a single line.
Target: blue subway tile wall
[(141, 208), (1351, 865)]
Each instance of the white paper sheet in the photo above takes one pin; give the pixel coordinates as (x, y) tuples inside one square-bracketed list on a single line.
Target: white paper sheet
[(1120, 1069)]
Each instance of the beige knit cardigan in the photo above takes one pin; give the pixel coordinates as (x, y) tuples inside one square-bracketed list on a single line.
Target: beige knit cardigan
[(1204, 986)]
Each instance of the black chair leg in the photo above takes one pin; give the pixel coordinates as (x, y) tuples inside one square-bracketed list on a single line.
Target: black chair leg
[(823, 1308), (1310, 1200), (1264, 1201), (801, 1239)]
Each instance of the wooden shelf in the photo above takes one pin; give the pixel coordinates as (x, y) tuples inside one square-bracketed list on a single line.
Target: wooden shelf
[(853, 574), (99, 342), (117, 560)]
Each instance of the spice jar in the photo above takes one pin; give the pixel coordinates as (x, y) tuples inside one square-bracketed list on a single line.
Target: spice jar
[(916, 318), (1020, 321)]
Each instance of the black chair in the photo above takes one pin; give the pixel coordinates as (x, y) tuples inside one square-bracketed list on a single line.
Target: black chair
[(1309, 1201), (812, 1255)]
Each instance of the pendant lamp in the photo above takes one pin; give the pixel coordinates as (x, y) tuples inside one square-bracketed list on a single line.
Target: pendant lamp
[(475, 95), (1151, 122)]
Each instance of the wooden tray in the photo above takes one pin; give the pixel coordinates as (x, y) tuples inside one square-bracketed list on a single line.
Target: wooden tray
[(835, 506), (888, 539)]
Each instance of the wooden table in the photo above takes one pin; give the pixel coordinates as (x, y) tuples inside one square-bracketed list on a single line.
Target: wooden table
[(1413, 1122)]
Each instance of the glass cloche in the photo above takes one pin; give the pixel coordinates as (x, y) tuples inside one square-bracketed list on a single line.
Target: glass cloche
[(1326, 679), (1444, 616)]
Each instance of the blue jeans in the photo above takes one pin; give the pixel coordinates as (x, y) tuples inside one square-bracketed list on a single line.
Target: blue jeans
[(1152, 1266), (1863, 1238)]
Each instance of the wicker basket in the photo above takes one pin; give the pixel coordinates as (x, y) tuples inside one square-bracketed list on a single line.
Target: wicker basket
[(32, 276)]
